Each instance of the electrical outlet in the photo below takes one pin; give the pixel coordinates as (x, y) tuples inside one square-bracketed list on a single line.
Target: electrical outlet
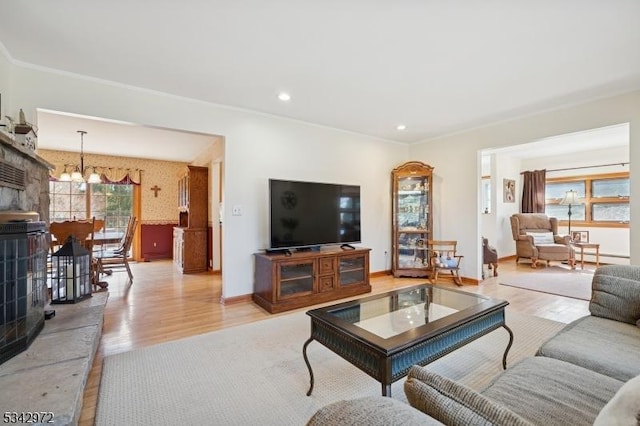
[(236, 210)]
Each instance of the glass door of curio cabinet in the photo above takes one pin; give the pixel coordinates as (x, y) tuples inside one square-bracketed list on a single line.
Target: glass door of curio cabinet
[(412, 225)]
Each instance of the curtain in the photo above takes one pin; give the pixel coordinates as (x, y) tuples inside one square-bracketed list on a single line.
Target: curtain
[(533, 199), (126, 176), (107, 174)]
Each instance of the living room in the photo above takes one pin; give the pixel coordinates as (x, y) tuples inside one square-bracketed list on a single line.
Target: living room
[(248, 165), (259, 145)]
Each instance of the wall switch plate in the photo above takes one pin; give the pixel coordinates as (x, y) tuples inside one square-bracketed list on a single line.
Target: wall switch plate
[(236, 210)]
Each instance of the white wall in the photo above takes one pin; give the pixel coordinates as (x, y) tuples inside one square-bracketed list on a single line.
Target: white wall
[(458, 165), (5, 88), (506, 167), (257, 147)]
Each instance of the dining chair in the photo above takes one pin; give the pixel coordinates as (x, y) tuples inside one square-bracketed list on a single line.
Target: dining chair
[(81, 230), (111, 260), (98, 225)]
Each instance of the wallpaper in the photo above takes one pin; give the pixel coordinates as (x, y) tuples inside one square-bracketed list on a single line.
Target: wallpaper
[(156, 210)]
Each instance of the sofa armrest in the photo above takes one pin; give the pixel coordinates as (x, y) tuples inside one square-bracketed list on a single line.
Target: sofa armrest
[(454, 404), (616, 293), (373, 410)]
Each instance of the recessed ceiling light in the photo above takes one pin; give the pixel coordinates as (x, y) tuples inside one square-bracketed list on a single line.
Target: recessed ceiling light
[(283, 96), (401, 127)]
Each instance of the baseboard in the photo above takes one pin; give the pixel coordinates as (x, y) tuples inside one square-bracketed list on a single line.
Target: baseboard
[(465, 280), (237, 299), (148, 257)]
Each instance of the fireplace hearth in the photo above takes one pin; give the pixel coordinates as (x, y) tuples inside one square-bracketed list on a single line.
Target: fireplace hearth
[(23, 284)]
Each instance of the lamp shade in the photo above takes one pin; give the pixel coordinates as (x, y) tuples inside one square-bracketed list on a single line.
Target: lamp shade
[(570, 197), (94, 178), (76, 176)]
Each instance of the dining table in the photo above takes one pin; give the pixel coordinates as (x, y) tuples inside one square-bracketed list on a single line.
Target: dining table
[(100, 238), (107, 237)]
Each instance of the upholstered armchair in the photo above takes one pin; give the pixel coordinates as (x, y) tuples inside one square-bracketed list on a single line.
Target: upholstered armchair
[(536, 237)]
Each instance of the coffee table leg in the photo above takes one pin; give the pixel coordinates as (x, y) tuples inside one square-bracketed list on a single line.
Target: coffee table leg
[(506, 351), (386, 390), (306, 360)]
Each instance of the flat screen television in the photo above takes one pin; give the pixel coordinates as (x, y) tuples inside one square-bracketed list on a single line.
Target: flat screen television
[(311, 214)]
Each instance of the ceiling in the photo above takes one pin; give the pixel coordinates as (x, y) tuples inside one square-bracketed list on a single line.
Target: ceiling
[(437, 67), (571, 143), (58, 131)]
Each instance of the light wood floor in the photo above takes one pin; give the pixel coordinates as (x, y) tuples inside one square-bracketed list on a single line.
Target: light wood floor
[(164, 305)]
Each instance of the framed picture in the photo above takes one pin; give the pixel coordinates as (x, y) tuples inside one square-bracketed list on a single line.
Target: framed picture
[(580, 236), (509, 191)]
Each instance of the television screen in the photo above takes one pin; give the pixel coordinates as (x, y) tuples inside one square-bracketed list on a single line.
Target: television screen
[(306, 214)]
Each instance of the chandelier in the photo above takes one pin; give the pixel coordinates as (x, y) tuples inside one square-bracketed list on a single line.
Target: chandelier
[(80, 171)]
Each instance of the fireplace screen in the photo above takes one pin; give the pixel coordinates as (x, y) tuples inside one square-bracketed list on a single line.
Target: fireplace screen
[(23, 269)]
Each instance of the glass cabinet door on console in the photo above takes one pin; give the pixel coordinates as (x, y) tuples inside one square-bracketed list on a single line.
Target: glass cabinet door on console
[(412, 225), (352, 270), (296, 278)]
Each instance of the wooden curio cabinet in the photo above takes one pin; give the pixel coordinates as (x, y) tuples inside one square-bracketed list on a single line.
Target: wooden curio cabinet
[(190, 236), (411, 215)]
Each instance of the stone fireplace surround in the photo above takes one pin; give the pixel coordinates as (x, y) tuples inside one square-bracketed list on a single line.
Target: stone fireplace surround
[(24, 196), (35, 196), (51, 374)]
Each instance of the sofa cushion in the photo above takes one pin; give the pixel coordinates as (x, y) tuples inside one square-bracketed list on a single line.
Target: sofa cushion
[(559, 249), (541, 237), (624, 408), (552, 392), (376, 410), (616, 293), (588, 342), (453, 403)]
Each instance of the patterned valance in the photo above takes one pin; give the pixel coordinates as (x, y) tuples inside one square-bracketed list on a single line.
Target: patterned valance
[(107, 174), (119, 175)]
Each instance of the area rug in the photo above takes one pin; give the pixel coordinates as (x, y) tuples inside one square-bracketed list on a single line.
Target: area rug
[(255, 374), (555, 280)]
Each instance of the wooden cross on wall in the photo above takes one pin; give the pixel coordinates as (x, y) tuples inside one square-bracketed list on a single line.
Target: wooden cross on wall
[(155, 190)]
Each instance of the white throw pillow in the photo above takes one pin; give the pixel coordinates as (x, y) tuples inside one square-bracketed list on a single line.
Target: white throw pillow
[(542, 237), (623, 408)]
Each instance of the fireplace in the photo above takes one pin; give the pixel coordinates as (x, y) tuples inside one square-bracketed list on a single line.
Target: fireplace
[(23, 283)]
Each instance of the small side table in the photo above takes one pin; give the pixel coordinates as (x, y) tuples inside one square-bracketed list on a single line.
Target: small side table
[(582, 246)]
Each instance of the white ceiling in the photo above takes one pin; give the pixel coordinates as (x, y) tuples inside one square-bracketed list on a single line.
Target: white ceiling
[(364, 66), (57, 131), (571, 143)]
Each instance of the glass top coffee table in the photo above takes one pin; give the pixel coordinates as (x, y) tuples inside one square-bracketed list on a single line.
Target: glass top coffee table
[(384, 335)]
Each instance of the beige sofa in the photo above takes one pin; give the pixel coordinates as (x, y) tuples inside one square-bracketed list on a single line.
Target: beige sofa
[(588, 373)]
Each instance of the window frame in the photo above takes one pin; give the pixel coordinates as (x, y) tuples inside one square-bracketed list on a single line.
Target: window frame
[(136, 208), (590, 201)]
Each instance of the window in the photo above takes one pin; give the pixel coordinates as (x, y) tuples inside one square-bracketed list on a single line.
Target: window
[(605, 199), (486, 194), (67, 200), (111, 202)]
